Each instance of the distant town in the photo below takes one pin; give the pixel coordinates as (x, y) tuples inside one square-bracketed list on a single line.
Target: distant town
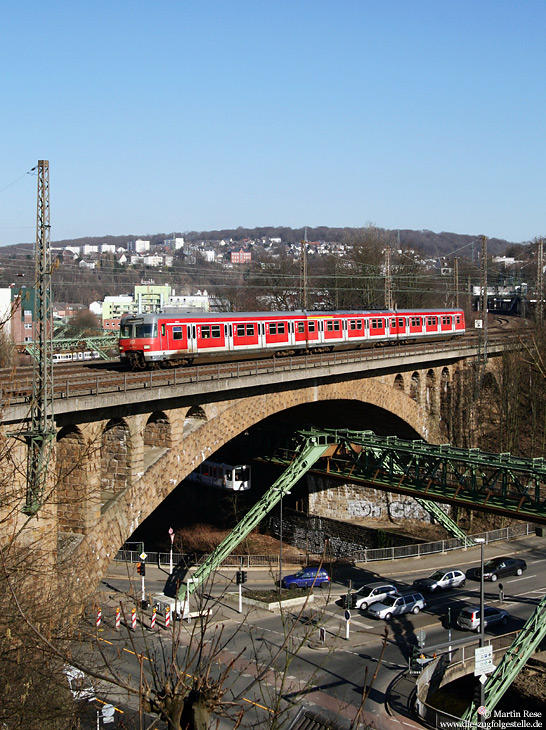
[(160, 274)]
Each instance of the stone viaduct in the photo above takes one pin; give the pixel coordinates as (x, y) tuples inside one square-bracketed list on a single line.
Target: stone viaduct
[(118, 456)]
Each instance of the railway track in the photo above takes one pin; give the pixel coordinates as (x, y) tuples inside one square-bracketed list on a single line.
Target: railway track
[(101, 378)]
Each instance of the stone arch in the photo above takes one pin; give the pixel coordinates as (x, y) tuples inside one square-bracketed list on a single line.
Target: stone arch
[(445, 400), (195, 417), (71, 482), (115, 457), (157, 431), (227, 419), (415, 387), (430, 391), (399, 382)]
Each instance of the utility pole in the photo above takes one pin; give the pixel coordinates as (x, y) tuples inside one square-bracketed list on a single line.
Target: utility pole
[(540, 282), (456, 281), (40, 437), (303, 272), (388, 279), (483, 300)]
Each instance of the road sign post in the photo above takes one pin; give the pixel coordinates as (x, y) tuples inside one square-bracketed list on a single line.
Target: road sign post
[(143, 557), (348, 623)]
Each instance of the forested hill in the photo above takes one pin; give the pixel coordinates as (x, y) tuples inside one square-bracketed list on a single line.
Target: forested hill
[(427, 242)]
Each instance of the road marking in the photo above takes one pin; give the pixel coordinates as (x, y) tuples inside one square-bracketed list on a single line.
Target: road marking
[(525, 577)]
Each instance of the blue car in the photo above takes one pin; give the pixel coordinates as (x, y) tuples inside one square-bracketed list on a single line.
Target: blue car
[(307, 577)]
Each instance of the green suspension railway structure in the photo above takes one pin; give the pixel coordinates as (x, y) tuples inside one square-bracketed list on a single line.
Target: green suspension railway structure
[(432, 474)]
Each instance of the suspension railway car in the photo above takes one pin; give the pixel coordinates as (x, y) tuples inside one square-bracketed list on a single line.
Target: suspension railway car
[(152, 340), (222, 476), (77, 356)]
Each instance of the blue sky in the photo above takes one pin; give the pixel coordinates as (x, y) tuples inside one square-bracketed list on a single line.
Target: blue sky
[(181, 115)]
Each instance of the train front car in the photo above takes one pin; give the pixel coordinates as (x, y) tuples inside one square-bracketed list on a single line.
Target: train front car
[(138, 341)]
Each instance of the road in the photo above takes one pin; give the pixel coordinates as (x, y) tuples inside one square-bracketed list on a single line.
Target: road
[(274, 654)]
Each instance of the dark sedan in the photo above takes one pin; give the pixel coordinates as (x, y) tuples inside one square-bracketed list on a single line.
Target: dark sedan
[(498, 568)]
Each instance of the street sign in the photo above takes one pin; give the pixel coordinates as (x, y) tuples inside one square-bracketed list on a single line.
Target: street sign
[(347, 615), (421, 636), (483, 660), (143, 555)]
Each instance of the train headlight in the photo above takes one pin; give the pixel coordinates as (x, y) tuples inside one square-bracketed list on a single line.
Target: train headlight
[(146, 347)]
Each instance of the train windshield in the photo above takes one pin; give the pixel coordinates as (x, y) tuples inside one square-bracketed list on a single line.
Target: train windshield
[(242, 474), (136, 330)]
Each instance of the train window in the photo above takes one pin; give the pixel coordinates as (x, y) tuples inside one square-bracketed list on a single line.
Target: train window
[(177, 333), (432, 321), (272, 328), (393, 322), (352, 324), (458, 319), (301, 328), (205, 332), (281, 328), (216, 330), (250, 330), (329, 326), (162, 330), (146, 330), (240, 330), (401, 322), (311, 326)]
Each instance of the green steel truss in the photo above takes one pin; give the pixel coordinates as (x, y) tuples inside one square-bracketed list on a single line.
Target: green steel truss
[(309, 451), (511, 663), (445, 520), (500, 483), (100, 343)]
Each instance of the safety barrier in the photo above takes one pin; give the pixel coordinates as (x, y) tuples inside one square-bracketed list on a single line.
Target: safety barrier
[(366, 555)]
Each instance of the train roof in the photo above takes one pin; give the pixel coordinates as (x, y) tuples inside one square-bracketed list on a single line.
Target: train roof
[(150, 317)]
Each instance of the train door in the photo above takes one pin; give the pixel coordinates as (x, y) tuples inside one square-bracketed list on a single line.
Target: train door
[(191, 332)]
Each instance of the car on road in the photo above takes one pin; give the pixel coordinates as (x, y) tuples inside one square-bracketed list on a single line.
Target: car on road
[(498, 568), (441, 580), (470, 617), (396, 605), (368, 594), (306, 578)]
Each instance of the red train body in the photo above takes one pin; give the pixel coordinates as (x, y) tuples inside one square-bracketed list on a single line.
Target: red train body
[(151, 340)]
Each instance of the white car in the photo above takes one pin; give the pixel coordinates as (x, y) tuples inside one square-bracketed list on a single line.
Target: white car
[(396, 605), (368, 594), (441, 580)]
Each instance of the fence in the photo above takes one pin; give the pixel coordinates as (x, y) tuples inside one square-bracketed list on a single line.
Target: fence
[(126, 554)]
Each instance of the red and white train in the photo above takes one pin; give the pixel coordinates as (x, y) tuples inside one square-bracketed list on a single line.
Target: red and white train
[(151, 340)]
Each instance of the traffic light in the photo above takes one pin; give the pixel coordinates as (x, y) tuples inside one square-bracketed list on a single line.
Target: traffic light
[(241, 577), (141, 568)]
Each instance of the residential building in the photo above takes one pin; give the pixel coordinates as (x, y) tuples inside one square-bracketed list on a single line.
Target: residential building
[(241, 257), (151, 298), (138, 246), (198, 302)]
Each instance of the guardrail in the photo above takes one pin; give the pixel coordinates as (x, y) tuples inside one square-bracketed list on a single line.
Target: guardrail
[(366, 555), (461, 663), (419, 550)]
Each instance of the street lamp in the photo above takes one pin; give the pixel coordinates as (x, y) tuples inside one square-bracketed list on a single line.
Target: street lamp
[(280, 543), (481, 542), (171, 535)]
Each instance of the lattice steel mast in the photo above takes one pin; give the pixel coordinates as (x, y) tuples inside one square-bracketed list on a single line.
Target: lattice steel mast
[(42, 430)]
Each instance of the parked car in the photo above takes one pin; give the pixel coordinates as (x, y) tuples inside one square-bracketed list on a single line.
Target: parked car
[(307, 577), (498, 568), (396, 605), (441, 580), (470, 617), (368, 594)]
